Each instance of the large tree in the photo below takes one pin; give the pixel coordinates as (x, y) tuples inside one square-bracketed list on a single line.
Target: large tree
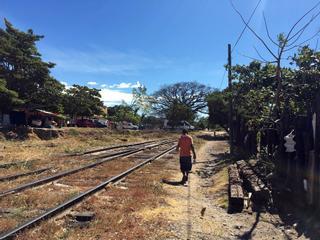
[(141, 101), (123, 112), (20, 62), (218, 109), (190, 95), (83, 101), (49, 96), (8, 98), (178, 112), (24, 71)]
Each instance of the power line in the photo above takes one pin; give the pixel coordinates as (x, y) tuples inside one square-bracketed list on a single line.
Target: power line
[(239, 38), (222, 79), (245, 27)]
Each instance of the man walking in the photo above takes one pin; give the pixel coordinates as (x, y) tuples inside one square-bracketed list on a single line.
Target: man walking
[(185, 145)]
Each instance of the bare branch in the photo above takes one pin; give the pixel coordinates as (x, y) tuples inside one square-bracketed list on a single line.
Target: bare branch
[(268, 33), (301, 31), (300, 44), (259, 54), (255, 59), (245, 27), (306, 14), (257, 36)]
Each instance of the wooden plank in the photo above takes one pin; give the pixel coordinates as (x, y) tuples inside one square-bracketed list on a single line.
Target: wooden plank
[(236, 195), (260, 192)]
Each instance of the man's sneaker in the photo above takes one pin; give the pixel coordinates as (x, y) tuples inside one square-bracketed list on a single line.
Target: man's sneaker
[(184, 179)]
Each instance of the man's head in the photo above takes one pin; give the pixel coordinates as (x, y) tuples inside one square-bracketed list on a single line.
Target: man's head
[(184, 131)]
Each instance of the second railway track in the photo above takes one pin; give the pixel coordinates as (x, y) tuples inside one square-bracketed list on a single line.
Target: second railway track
[(101, 160), (41, 203)]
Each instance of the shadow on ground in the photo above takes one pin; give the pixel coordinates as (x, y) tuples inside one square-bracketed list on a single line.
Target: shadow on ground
[(209, 137), (305, 220), (172, 183)]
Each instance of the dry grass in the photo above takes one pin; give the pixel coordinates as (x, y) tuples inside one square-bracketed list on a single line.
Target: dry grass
[(50, 152), (116, 209), (220, 188), (73, 140)]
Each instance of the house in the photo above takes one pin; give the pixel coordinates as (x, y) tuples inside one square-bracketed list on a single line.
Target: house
[(31, 117)]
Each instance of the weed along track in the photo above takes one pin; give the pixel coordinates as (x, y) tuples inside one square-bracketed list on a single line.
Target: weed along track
[(23, 209), (61, 167)]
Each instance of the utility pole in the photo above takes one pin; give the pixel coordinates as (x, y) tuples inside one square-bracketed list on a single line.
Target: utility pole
[(230, 101)]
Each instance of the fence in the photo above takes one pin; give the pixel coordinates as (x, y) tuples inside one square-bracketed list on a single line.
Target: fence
[(298, 170)]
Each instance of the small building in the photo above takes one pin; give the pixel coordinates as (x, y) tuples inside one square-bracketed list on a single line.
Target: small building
[(31, 117)]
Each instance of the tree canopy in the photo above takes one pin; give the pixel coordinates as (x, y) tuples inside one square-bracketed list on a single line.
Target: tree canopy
[(83, 101), (255, 87), (8, 98), (21, 64), (25, 79), (123, 113), (188, 97)]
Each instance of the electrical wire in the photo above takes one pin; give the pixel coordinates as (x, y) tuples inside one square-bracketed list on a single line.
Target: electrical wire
[(245, 27)]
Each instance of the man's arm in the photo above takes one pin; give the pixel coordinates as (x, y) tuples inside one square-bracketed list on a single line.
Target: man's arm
[(178, 145), (194, 153)]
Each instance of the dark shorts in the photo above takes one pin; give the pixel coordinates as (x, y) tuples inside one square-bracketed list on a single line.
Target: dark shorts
[(185, 164)]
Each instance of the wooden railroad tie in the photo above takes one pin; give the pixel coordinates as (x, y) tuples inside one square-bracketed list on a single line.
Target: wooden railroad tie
[(236, 195)]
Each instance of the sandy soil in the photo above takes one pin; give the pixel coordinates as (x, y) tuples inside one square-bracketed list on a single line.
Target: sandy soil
[(198, 211), (144, 206)]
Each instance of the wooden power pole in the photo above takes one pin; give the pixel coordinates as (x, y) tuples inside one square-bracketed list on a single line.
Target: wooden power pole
[(230, 101)]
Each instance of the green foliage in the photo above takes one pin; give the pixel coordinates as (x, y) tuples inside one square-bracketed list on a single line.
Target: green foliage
[(202, 122), (188, 95), (25, 78), (83, 101), (218, 109), (20, 62), (8, 98), (178, 112), (50, 96), (152, 120), (141, 101), (123, 112), (255, 87)]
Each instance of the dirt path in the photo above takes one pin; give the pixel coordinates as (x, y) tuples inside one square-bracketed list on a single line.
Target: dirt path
[(198, 211)]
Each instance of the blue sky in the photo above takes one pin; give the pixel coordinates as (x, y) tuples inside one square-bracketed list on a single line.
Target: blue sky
[(119, 44)]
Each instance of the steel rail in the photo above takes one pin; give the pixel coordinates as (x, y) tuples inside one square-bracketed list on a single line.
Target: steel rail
[(75, 170), (52, 212), (114, 147), (12, 177)]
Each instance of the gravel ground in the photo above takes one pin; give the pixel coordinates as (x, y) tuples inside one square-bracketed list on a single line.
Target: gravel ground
[(198, 211)]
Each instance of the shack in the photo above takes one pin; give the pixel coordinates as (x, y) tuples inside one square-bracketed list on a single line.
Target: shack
[(32, 117)]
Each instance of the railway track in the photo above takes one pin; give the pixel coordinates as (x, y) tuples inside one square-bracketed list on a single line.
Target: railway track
[(95, 175), (50, 167), (102, 159)]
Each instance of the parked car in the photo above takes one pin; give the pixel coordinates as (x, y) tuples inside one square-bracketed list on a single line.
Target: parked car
[(85, 123), (180, 125), (129, 125), (100, 123)]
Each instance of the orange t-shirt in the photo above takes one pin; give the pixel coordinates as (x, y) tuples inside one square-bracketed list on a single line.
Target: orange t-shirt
[(184, 144)]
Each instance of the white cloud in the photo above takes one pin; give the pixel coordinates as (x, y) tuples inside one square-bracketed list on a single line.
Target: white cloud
[(136, 85), (126, 85), (103, 85), (67, 86), (92, 83), (113, 97)]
